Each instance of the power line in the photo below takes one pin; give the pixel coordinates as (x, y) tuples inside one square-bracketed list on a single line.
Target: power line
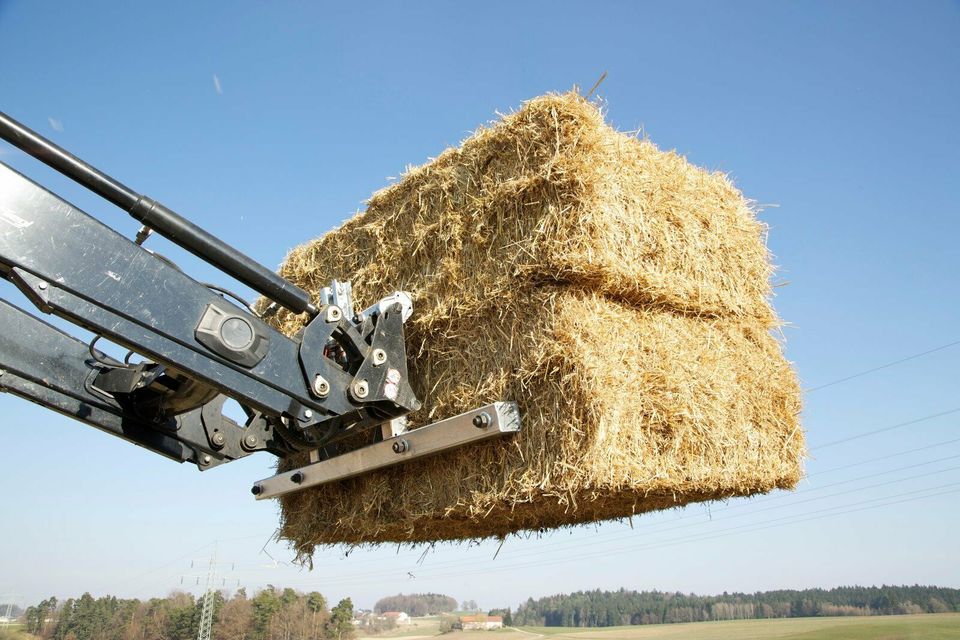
[(886, 457), (464, 570), (617, 535), (854, 490), (881, 367), (634, 535), (788, 496), (163, 566), (620, 534), (816, 515), (451, 564), (377, 576), (884, 429)]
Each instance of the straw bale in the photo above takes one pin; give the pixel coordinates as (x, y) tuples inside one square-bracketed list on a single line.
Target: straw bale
[(624, 410), (552, 193), (619, 294)]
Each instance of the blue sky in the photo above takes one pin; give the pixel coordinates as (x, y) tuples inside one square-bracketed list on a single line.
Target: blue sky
[(840, 117)]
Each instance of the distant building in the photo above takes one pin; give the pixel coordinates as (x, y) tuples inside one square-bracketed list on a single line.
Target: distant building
[(399, 617), (479, 623)]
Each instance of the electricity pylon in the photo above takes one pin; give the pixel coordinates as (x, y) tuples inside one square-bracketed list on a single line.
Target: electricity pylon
[(206, 616)]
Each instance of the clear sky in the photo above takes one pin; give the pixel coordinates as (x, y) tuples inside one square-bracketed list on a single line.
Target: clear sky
[(268, 123)]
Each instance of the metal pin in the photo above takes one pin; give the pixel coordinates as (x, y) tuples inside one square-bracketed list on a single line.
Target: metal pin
[(143, 234)]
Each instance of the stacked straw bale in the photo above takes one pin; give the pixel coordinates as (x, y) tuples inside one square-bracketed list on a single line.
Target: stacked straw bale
[(616, 292)]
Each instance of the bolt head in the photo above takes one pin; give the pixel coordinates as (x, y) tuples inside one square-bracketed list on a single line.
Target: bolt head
[(361, 389), (308, 414), (297, 477), (320, 386), (334, 313), (251, 440), (400, 446), (379, 357), (256, 490), (205, 459), (218, 439), (42, 286)]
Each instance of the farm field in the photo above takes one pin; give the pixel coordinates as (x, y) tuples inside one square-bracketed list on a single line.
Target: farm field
[(425, 627), (925, 627)]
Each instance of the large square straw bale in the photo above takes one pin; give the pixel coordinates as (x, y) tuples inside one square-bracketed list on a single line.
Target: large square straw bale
[(616, 292)]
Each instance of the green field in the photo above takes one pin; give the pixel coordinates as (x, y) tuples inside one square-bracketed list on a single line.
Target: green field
[(926, 627), (13, 632)]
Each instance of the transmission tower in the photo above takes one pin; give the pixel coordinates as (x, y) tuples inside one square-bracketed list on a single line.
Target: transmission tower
[(206, 616), (9, 601)]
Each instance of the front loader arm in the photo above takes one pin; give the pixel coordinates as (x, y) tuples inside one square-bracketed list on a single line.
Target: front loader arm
[(71, 265), (343, 374)]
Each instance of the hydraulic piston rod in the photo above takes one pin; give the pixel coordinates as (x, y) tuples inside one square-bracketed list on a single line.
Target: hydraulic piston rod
[(158, 217)]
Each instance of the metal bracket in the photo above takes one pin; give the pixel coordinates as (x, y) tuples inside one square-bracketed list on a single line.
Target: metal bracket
[(489, 421)]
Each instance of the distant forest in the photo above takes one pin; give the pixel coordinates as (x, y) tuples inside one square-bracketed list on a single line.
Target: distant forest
[(271, 614), (416, 604), (623, 607), (286, 614)]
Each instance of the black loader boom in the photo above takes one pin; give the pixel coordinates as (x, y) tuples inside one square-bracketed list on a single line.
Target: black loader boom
[(198, 344)]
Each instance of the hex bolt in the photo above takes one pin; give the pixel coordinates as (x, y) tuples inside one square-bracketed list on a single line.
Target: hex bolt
[(297, 477), (250, 440), (42, 286), (360, 389), (218, 440), (320, 386), (205, 459), (334, 313), (379, 357), (308, 414), (401, 446), (256, 489), (481, 420)]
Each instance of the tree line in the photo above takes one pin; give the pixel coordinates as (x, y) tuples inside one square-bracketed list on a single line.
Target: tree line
[(271, 614), (623, 607), (416, 604)]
